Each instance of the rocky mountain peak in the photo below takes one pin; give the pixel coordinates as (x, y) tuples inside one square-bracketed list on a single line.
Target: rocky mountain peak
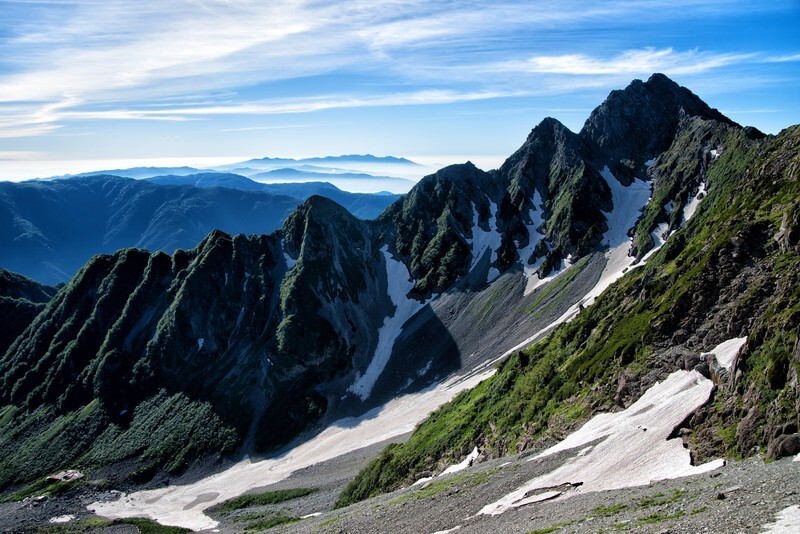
[(637, 123)]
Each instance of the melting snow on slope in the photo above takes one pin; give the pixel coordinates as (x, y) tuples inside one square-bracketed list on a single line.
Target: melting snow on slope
[(786, 522), (532, 280), (290, 262), (727, 351), (660, 235), (483, 240), (466, 462), (61, 519), (399, 284), (691, 207), (183, 505), (628, 204), (650, 162), (633, 450), (200, 342)]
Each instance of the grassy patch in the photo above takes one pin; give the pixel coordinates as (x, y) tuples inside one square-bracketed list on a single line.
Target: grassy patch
[(329, 522), (658, 517), (270, 521), (660, 499), (438, 486), (608, 511), (261, 499), (41, 487), (698, 510)]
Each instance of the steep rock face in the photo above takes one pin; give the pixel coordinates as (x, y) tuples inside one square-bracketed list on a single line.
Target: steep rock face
[(242, 331), (433, 224), (638, 123), (21, 299), (552, 163)]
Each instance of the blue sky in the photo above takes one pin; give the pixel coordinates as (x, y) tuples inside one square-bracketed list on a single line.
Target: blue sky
[(105, 79)]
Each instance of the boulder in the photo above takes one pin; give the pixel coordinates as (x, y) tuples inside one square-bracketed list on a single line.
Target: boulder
[(784, 445)]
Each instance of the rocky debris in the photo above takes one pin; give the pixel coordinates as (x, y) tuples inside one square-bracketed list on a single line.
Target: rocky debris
[(784, 445), (70, 475)]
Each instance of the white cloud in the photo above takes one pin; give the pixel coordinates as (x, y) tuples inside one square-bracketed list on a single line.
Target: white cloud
[(184, 59), (782, 59), (628, 63)]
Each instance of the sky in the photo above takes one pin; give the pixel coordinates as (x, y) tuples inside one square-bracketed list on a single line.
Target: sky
[(192, 81)]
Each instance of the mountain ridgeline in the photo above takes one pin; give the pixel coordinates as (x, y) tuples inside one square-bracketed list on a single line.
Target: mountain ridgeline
[(50, 228), (156, 361)]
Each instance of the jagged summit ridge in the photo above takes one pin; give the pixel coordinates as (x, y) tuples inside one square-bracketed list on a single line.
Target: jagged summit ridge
[(269, 333), (637, 123)]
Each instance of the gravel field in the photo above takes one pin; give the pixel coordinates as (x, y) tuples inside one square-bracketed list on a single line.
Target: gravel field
[(743, 496)]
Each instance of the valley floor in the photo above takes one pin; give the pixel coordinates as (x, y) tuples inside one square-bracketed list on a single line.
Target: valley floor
[(743, 496)]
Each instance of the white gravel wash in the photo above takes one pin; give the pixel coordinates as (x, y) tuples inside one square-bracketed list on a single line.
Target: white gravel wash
[(184, 505), (632, 446)]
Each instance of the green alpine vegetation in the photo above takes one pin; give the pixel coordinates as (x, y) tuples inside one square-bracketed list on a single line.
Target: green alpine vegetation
[(733, 270), (146, 364)]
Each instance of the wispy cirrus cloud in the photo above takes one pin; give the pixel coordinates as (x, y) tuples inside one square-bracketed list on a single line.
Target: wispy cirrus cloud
[(181, 60), (626, 63)]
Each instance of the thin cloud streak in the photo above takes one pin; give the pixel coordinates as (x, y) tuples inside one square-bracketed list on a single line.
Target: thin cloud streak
[(185, 60), (628, 63)]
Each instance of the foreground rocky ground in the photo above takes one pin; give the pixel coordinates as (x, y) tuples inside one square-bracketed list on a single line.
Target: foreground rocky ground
[(743, 496)]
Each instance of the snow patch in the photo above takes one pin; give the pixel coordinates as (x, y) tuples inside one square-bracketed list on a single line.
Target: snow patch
[(246, 279), (632, 446), (727, 351), (421, 481), (200, 342), (532, 280), (62, 519), (463, 464), (483, 240), (715, 153), (786, 521), (448, 531), (659, 235), (315, 514), (691, 207), (650, 162), (179, 505), (290, 262), (399, 284), (226, 279), (424, 370), (628, 201)]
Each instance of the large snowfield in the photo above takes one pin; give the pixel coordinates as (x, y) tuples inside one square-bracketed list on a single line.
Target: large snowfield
[(184, 505)]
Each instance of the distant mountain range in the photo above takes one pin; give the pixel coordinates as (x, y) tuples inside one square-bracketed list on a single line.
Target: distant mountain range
[(348, 173), (333, 160), (362, 205), (50, 228)]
